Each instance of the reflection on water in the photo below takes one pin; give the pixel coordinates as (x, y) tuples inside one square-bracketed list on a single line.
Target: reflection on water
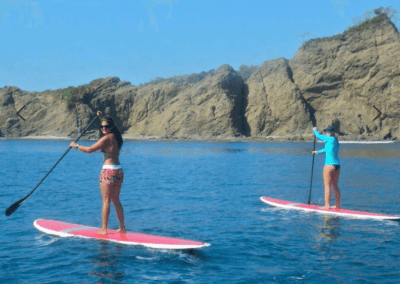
[(282, 151), (106, 263), (215, 151), (329, 230), (188, 151), (193, 148), (370, 153), (346, 150)]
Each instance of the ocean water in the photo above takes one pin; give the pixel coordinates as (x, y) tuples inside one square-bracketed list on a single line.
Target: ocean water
[(207, 192)]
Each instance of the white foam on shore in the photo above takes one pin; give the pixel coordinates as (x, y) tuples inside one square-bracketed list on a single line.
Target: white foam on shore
[(361, 142), (45, 137), (150, 137), (139, 137), (366, 142)]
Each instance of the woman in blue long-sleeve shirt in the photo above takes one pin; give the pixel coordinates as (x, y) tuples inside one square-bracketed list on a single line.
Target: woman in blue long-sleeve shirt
[(332, 165)]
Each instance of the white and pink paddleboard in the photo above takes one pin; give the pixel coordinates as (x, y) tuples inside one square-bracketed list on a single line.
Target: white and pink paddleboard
[(333, 211), (63, 229)]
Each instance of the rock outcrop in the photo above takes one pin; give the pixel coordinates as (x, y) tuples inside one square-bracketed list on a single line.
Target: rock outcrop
[(343, 77), (208, 109), (275, 106), (336, 80)]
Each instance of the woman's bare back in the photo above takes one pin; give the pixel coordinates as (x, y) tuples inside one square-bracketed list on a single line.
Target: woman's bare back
[(111, 151)]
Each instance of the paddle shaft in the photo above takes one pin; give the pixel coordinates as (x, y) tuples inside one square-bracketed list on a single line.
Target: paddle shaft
[(312, 171), (15, 206)]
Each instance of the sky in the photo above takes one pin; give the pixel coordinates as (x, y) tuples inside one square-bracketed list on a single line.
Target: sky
[(53, 44)]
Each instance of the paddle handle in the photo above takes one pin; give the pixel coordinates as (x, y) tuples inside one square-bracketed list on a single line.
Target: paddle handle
[(312, 172), (15, 206)]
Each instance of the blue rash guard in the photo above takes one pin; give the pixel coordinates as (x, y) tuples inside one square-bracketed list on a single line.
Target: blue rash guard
[(331, 148)]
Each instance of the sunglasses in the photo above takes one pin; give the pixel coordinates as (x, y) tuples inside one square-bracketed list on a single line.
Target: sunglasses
[(104, 126)]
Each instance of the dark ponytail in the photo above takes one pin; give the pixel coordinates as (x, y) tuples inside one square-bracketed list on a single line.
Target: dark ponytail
[(114, 129)]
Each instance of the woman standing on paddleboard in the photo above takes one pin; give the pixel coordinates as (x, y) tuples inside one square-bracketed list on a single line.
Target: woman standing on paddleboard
[(332, 165), (111, 175)]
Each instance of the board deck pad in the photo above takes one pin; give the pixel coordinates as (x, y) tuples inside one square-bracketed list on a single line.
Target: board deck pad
[(333, 211), (64, 229)]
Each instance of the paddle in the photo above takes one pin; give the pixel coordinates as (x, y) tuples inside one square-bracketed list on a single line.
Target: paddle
[(312, 171), (17, 204)]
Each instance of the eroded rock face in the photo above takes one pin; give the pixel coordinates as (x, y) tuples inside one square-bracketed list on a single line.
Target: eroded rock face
[(343, 77), (208, 109), (275, 106), (334, 80), (211, 108), (42, 114)]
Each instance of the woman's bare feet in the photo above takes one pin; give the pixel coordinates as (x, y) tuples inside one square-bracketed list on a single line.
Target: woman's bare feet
[(102, 232), (336, 207), (326, 207), (121, 231)]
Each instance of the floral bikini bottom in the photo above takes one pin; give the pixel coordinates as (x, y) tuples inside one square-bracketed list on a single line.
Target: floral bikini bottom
[(114, 177)]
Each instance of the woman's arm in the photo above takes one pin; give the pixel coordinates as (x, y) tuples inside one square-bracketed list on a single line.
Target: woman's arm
[(95, 147), (320, 136)]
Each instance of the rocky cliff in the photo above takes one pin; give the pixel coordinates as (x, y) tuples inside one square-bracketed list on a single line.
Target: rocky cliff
[(275, 105), (343, 77), (336, 80)]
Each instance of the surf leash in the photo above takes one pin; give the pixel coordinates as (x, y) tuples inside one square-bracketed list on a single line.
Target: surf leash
[(17, 204), (312, 171)]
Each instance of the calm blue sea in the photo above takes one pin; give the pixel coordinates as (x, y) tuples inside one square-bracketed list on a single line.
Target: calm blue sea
[(207, 192)]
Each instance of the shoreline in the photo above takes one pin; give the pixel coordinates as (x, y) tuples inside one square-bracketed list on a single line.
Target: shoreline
[(303, 138)]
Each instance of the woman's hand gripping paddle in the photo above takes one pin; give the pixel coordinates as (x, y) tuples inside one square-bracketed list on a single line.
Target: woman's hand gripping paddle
[(17, 204)]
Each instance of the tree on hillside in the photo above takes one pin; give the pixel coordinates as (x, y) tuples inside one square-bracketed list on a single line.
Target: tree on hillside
[(245, 71), (303, 36), (192, 78), (390, 12)]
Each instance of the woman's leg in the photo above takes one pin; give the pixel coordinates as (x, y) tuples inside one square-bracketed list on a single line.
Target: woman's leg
[(116, 189), (335, 182), (105, 193), (328, 176)]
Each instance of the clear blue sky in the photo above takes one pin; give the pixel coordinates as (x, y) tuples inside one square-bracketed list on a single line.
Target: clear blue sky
[(51, 44)]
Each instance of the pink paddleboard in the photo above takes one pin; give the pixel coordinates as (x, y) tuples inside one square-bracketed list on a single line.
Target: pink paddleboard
[(63, 229), (341, 212)]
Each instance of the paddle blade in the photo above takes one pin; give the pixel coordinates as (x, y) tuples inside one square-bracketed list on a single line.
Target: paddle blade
[(14, 207)]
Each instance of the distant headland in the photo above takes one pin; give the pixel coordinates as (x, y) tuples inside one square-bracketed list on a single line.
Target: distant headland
[(340, 80)]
